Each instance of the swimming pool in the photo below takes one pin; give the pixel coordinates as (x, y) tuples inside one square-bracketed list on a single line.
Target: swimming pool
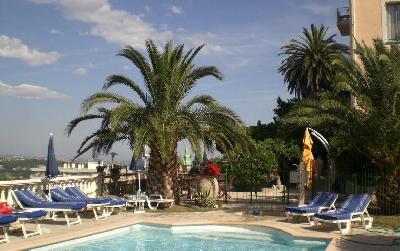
[(188, 238)]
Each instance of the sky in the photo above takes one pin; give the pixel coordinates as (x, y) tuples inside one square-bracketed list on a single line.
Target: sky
[(54, 53)]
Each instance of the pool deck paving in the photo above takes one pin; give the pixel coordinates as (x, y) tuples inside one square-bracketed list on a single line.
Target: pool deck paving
[(57, 231)]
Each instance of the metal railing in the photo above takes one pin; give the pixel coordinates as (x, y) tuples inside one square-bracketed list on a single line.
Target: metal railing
[(343, 14), (385, 204)]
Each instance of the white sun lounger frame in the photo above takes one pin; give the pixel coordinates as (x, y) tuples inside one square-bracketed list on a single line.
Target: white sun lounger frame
[(158, 199), (362, 217), (5, 239), (65, 211), (93, 207), (309, 215)]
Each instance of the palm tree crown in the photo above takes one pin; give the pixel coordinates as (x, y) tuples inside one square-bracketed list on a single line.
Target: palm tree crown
[(162, 117), (308, 64), (374, 127)]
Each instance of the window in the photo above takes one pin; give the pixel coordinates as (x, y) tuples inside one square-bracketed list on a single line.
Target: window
[(393, 21)]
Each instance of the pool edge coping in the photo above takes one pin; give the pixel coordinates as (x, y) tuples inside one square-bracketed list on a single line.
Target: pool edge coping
[(330, 245)]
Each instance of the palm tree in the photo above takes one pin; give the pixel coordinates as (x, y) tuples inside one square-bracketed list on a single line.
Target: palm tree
[(164, 115), (308, 64), (375, 83), (374, 127)]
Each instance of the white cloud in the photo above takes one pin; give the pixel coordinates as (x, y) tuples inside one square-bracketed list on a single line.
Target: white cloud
[(241, 62), (319, 9), (180, 29), (147, 8), (176, 9), (164, 26), (80, 71), (29, 91), (91, 65), (115, 26), (126, 67), (55, 32), (83, 33), (204, 38), (14, 48)]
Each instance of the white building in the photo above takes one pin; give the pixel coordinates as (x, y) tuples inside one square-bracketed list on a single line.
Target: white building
[(70, 169)]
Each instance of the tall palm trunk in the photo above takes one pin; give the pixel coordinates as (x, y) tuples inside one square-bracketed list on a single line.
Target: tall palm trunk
[(162, 176)]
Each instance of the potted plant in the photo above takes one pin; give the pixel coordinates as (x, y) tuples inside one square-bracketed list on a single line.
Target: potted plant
[(208, 183)]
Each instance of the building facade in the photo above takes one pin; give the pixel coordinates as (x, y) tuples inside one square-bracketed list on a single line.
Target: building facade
[(366, 20)]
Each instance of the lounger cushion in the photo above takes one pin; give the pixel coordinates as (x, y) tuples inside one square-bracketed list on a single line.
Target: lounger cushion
[(332, 216), (6, 219), (118, 202), (324, 199), (303, 210), (355, 203), (29, 199), (96, 200), (60, 195), (100, 200), (75, 191), (31, 215)]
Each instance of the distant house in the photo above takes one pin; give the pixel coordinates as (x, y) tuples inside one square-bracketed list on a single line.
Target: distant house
[(70, 169)]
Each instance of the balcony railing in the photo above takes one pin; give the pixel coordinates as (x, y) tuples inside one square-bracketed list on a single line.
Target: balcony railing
[(343, 14), (343, 20), (87, 183)]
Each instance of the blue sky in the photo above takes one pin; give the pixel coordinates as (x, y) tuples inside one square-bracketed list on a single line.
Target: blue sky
[(54, 53)]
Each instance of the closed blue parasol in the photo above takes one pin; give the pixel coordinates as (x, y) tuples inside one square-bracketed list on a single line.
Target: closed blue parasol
[(132, 165), (51, 164), (137, 166)]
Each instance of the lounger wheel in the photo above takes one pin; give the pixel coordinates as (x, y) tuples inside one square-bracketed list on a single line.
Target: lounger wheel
[(346, 229), (311, 220), (369, 224), (5, 233), (287, 216)]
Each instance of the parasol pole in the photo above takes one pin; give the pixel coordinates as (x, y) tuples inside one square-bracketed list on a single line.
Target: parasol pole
[(325, 143)]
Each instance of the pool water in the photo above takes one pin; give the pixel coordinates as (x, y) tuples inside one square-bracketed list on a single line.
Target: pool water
[(190, 238)]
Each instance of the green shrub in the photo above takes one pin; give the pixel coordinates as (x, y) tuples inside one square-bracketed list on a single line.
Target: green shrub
[(252, 171), (205, 200)]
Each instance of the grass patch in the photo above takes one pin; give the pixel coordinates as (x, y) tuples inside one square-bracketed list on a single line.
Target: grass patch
[(386, 221)]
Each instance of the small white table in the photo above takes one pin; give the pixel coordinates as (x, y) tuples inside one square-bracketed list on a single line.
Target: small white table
[(138, 203)]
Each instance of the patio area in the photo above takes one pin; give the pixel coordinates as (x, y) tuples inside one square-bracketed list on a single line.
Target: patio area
[(54, 232)]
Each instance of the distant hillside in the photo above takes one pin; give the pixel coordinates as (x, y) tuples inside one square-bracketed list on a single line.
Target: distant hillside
[(18, 167)]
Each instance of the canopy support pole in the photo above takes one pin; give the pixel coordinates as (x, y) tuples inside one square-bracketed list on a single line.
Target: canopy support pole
[(325, 143)]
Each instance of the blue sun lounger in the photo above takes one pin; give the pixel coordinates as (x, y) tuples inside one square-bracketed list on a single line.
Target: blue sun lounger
[(114, 202), (353, 209), (29, 201), (29, 216), (321, 201), (59, 195), (5, 221)]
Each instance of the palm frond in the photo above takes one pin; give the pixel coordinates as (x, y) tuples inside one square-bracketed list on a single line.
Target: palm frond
[(120, 79), (101, 98), (73, 123)]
